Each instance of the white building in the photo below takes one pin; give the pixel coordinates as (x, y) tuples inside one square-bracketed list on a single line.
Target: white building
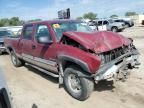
[(137, 18)]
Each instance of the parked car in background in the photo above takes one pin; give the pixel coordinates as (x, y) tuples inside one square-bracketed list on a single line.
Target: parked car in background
[(14, 29), (4, 33), (69, 50), (5, 100), (92, 25), (128, 23), (110, 25)]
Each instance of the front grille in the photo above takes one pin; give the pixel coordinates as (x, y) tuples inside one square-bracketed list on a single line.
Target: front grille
[(113, 54)]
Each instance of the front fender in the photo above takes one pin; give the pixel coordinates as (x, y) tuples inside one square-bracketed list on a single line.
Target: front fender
[(82, 64)]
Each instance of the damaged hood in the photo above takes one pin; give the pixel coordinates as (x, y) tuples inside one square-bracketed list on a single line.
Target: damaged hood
[(99, 41)]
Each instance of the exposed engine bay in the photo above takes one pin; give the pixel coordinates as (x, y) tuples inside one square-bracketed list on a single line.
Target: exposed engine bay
[(116, 63)]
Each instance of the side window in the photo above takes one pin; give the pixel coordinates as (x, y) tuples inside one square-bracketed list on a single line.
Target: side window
[(19, 33), (99, 23), (42, 30), (27, 34), (117, 20), (105, 22)]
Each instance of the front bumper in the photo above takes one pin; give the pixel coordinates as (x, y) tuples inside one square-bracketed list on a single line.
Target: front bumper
[(109, 70), (121, 28)]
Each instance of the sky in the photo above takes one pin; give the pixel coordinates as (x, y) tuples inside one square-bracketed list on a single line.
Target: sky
[(47, 9)]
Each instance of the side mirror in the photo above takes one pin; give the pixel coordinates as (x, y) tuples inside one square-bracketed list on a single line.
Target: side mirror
[(44, 40)]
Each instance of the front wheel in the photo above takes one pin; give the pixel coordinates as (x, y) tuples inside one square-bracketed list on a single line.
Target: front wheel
[(16, 61), (78, 87)]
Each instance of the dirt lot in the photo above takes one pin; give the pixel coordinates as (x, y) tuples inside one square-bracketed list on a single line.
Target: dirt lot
[(29, 86)]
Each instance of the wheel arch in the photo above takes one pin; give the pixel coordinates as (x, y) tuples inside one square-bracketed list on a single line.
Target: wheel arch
[(9, 49), (113, 27), (66, 61)]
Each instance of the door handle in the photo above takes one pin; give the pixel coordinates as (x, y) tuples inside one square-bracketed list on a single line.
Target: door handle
[(33, 47)]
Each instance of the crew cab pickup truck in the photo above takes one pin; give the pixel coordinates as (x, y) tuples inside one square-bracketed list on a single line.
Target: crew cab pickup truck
[(69, 50)]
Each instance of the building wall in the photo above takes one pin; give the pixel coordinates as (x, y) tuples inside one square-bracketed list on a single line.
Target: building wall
[(141, 18), (137, 18)]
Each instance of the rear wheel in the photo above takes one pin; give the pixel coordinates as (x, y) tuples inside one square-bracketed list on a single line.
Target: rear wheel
[(16, 61), (78, 87), (0, 52), (128, 25), (114, 29)]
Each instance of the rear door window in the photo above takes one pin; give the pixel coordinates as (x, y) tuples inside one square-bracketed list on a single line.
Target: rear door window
[(28, 30), (105, 22), (99, 23)]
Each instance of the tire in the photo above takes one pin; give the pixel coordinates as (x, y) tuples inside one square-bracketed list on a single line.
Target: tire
[(114, 29), (1, 52), (78, 87), (15, 60), (128, 25)]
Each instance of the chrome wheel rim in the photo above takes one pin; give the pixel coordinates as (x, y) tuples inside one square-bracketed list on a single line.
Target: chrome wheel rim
[(114, 30), (74, 83), (14, 59)]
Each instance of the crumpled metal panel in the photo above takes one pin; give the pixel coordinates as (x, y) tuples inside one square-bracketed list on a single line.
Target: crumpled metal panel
[(99, 41)]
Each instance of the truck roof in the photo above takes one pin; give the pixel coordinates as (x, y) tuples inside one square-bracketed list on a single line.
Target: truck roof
[(54, 21)]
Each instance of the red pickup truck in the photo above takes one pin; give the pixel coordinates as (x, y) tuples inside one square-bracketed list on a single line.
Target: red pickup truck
[(69, 50)]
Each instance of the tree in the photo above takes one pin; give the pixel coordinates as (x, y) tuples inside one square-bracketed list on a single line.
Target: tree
[(130, 13), (114, 16), (4, 22), (14, 21), (35, 20), (90, 15)]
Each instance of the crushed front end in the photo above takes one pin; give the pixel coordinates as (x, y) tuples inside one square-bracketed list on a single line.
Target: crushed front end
[(116, 63)]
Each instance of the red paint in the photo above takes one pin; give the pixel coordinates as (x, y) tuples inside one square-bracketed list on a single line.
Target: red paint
[(99, 41)]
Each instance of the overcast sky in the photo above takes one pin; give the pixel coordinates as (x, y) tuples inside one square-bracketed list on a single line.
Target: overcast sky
[(47, 9)]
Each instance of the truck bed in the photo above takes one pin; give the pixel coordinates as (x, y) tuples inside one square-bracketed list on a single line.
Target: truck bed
[(11, 41)]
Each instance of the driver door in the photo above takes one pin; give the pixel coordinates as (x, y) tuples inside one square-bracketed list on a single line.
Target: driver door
[(44, 53)]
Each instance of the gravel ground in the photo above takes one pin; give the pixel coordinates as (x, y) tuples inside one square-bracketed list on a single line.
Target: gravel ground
[(30, 87)]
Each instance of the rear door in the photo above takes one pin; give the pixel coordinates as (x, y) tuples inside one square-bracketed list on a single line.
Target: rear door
[(102, 26), (105, 25), (26, 42)]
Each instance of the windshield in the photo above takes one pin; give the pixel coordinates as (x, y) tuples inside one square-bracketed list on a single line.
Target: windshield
[(111, 21), (5, 33), (61, 27)]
